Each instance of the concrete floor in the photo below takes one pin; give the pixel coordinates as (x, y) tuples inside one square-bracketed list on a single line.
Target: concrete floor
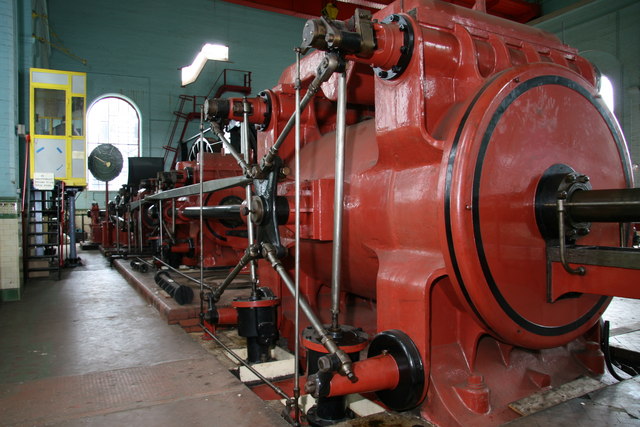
[(88, 350)]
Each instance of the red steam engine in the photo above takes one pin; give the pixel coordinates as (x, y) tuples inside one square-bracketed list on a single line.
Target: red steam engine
[(475, 224)]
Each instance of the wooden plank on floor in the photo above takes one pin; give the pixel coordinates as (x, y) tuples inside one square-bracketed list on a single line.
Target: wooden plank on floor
[(548, 398)]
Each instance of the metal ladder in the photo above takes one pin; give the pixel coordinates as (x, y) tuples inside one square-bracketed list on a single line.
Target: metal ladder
[(43, 232), (229, 80)]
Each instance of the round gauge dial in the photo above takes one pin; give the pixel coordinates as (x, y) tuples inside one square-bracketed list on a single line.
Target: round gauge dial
[(105, 162)]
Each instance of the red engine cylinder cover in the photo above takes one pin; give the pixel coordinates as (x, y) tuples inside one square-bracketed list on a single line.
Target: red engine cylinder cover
[(440, 232)]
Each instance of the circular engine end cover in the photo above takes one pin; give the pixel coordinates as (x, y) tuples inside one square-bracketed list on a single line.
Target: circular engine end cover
[(520, 123)]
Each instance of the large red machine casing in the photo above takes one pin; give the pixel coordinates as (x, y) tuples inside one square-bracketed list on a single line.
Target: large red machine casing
[(223, 243), (440, 238)]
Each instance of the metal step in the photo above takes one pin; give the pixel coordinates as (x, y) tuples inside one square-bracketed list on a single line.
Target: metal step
[(42, 269)]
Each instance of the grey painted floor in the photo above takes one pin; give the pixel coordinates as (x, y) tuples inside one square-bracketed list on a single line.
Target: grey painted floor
[(89, 350)]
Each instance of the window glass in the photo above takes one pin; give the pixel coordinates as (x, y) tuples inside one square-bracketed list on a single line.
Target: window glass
[(49, 111), (113, 120), (77, 113)]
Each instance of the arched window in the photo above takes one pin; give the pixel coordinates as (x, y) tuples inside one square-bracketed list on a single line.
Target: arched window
[(113, 119)]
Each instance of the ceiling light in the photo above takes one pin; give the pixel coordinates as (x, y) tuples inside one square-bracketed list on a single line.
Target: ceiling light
[(209, 52)]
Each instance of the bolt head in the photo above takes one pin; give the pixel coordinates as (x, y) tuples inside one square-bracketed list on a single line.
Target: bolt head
[(584, 231), (382, 74)]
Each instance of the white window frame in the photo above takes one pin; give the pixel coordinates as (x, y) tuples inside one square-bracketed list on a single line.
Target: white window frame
[(92, 183)]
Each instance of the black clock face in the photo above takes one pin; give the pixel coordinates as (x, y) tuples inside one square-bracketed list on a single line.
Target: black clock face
[(105, 162)]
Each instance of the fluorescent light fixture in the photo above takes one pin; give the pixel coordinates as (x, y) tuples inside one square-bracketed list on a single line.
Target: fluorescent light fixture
[(212, 52)]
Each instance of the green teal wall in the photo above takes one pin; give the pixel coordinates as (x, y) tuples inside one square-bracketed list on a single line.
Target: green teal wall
[(136, 47), (9, 143), (607, 33)]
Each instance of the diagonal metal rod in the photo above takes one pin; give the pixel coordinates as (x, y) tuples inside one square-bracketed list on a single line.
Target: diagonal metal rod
[(269, 253), (296, 374), (199, 134), (140, 227), (246, 258), (328, 65), (200, 199), (249, 367), (244, 136), (243, 165), (193, 189), (338, 198), (178, 272)]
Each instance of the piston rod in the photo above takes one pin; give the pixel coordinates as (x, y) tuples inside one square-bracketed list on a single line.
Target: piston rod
[(616, 205), (244, 139), (296, 320), (248, 366), (269, 253), (241, 162), (338, 197), (212, 212), (329, 64), (249, 255)]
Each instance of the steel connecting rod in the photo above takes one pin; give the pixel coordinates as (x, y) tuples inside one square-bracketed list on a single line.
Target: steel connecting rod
[(330, 63), (250, 254), (200, 201), (269, 252), (296, 373), (244, 139), (247, 365), (218, 131), (338, 197)]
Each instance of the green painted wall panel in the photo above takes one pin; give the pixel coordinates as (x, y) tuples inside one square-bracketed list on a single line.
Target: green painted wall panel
[(135, 48), (608, 34)]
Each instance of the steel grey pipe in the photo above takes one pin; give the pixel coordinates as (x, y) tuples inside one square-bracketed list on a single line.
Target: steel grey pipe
[(217, 293), (290, 123), (118, 233), (178, 271), (196, 135), (216, 129), (244, 139), (326, 340), (140, 227), (212, 212), (338, 197), (296, 321), (201, 199), (160, 223), (329, 64), (616, 205), (251, 368), (72, 226), (173, 216)]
